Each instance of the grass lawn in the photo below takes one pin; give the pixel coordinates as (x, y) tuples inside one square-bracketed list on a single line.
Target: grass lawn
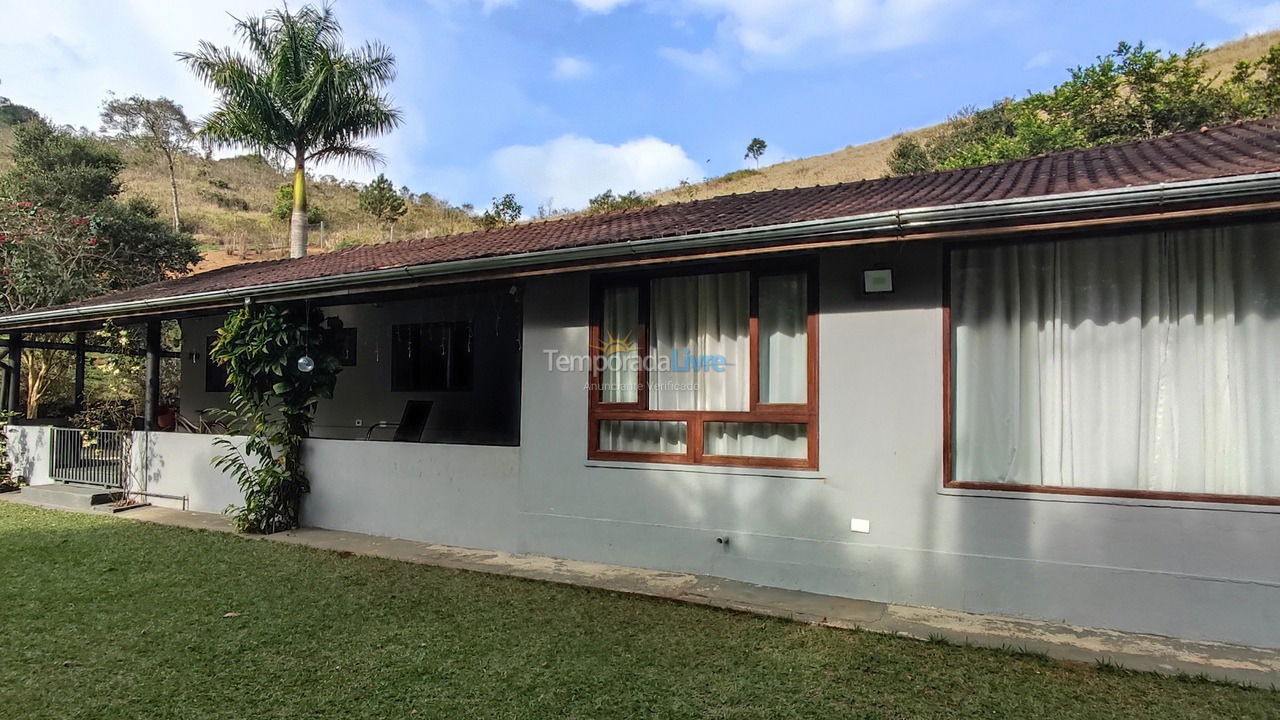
[(108, 618)]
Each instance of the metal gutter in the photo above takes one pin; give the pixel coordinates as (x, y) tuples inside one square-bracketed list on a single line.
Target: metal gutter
[(892, 223)]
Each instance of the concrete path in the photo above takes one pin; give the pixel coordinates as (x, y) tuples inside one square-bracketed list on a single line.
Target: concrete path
[(1255, 666)]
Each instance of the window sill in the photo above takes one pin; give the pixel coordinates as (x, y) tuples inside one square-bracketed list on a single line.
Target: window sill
[(710, 469), (1111, 500)]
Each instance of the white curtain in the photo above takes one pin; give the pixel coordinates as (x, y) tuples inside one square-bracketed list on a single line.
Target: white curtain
[(620, 315), (784, 344), (650, 436), (1136, 362), (755, 439), (700, 317)]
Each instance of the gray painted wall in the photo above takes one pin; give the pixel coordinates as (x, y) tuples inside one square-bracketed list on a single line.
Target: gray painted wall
[(1182, 569), (1196, 570)]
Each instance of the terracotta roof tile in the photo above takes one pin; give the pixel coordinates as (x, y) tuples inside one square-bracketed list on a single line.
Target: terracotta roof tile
[(1241, 149)]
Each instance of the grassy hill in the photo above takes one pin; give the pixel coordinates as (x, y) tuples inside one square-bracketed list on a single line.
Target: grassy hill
[(227, 204), (870, 160)]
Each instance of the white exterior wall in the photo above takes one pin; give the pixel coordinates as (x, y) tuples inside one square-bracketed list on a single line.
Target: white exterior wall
[(29, 452)]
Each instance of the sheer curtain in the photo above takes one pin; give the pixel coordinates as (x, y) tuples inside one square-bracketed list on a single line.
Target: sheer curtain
[(699, 317), (620, 314), (784, 342), (1137, 362)]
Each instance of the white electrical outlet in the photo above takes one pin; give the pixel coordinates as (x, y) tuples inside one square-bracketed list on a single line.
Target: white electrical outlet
[(859, 525)]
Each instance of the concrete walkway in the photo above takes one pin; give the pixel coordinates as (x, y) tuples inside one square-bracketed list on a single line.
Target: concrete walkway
[(1255, 666)]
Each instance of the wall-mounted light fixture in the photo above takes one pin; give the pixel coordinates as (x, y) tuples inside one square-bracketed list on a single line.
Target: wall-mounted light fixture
[(877, 281)]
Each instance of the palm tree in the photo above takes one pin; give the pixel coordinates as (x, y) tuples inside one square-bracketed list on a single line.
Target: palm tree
[(298, 94)]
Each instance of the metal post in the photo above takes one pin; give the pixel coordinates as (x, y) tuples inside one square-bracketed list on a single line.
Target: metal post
[(152, 402), (79, 379), (14, 400)]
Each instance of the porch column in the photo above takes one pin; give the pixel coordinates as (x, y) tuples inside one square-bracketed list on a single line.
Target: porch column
[(79, 380), (152, 401), (13, 402)]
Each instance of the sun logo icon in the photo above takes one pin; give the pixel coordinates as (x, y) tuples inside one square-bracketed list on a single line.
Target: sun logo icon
[(610, 345)]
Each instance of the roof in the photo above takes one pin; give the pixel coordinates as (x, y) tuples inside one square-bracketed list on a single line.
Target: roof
[(1249, 148)]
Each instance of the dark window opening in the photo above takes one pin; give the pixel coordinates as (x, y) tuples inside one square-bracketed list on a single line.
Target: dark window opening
[(215, 375), (431, 357)]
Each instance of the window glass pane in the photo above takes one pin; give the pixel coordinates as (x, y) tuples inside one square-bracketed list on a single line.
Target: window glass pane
[(1140, 362), (215, 376), (431, 357), (700, 342), (759, 439), (619, 355), (647, 436), (784, 344)]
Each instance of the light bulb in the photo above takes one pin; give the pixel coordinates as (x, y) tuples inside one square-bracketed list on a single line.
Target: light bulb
[(306, 364)]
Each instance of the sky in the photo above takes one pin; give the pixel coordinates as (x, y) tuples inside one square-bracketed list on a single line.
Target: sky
[(559, 100)]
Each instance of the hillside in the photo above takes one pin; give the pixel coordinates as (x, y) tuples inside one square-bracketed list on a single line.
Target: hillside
[(870, 160), (227, 203)]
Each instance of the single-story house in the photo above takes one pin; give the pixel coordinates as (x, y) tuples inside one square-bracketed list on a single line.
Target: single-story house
[(1043, 388)]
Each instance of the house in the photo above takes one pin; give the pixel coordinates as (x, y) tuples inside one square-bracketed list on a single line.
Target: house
[(1043, 388)]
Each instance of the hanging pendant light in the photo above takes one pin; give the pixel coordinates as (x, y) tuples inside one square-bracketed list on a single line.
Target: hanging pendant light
[(305, 363)]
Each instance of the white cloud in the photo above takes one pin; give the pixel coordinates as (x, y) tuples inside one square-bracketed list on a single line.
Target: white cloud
[(566, 67), (599, 6), (490, 5), (1039, 60), (707, 63), (570, 169), (1250, 17)]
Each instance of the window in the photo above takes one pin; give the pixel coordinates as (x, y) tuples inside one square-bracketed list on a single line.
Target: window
[(1138, 365), (431, 357), (706, 368), (346, 344), (216, 379)]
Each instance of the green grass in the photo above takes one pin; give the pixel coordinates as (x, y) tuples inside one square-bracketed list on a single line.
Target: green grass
[(108, 618)]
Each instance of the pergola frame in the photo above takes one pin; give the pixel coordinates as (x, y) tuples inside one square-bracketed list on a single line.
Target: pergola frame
[(17, 342)]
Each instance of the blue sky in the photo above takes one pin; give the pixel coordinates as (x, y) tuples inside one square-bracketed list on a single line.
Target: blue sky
[(556, 100)]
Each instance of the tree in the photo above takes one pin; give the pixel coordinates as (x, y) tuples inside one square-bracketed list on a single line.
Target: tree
[(283, 209), (157, 125), (64, 235), (274, 394), (381, 200), (298, 93), (607, 202), (1129, 94), (505, 210), (755, 149)]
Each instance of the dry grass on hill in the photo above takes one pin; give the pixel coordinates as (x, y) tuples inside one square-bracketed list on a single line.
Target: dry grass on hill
[(870, 160)]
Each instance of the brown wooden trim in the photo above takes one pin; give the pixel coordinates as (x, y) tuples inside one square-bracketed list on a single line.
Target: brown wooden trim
[(797, 413), (948, 428), (1108, 492)]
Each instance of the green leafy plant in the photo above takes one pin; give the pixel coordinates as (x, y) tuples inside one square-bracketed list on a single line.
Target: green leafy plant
[(505, 211), (381, 200), (1131, 93), (755, 149), (273, 401), (283, 208), (6, 469), (607, 201)]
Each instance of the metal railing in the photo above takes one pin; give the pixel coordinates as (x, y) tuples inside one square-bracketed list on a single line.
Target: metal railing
[(89, 457)]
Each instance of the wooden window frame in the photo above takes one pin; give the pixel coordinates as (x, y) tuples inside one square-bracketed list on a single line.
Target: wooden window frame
[(948, 420), (802, 413)]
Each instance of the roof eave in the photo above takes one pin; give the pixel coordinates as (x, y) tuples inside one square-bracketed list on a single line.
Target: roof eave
[(1130, 200)]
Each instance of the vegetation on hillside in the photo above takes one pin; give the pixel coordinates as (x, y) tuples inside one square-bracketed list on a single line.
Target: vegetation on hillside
[(1130, 94), (871, 159)]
